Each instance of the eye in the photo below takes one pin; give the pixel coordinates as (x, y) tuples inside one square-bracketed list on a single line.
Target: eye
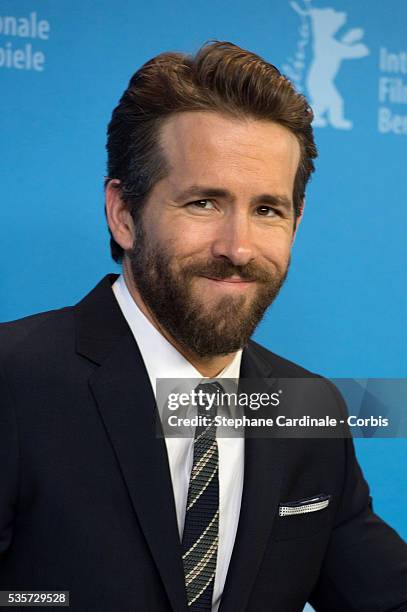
[(267, 211), (202, 204)]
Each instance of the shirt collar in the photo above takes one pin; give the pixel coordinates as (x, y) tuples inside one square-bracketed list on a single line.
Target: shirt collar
[(161, 358)]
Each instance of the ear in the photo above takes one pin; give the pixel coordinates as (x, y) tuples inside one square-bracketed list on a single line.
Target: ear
[(298, 221), (118, 217)]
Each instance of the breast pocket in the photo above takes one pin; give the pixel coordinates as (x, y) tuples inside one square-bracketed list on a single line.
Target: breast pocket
[(302, 518)]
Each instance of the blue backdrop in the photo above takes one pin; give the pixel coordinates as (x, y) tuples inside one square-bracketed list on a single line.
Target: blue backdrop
[(63, 67)]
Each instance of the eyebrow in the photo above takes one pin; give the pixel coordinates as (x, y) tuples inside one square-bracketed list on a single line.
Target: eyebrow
[(200, 191)]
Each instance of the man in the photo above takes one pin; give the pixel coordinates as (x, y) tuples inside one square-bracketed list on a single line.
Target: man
[(208, 159)]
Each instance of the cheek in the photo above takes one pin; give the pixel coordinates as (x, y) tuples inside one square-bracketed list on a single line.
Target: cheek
[(276, 247), (188, 238), (182, 242)]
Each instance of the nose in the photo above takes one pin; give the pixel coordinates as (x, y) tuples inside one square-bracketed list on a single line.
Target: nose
[(233, 240)]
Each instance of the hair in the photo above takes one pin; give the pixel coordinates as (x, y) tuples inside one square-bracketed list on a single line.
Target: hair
[(222, 78)]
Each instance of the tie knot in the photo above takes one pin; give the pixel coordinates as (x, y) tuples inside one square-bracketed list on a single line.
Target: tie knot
[(209, 398)]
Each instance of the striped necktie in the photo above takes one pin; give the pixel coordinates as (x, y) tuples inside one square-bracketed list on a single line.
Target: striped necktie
[(200, 537)]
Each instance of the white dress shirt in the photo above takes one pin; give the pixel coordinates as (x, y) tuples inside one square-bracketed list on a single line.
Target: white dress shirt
[(162, 360)]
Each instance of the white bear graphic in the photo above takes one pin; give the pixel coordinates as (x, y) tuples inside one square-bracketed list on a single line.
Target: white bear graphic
[(326, 101)]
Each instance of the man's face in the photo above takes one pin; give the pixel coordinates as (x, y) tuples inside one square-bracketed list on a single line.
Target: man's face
[(213, 247)]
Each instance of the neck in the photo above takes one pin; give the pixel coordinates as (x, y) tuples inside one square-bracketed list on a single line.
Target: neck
[(209, 367)]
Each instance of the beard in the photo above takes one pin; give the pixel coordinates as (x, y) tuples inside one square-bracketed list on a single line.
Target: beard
[(208, 330)]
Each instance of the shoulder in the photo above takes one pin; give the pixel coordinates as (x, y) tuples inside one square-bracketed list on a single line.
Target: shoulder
[(319, 390), (284, 368), (35, 332), (280, 365)]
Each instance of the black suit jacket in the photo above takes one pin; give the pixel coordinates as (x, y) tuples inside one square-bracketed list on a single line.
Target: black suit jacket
[(86, 501)]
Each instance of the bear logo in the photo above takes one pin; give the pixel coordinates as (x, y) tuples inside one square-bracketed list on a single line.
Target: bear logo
[(328, 55)]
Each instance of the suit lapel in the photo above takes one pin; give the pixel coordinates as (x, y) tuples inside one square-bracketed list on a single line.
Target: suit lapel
[(263, 468), (127, 407)]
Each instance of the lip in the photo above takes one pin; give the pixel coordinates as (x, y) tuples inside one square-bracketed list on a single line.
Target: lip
[(230, 282)]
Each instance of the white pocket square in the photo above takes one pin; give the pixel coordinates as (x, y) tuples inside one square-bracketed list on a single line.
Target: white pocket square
[(303, 506)]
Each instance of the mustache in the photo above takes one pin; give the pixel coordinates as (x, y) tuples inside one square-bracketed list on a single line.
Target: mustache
[(222, 268)]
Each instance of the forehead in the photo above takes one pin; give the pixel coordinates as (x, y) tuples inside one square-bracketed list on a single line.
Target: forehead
[(208, 146)]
